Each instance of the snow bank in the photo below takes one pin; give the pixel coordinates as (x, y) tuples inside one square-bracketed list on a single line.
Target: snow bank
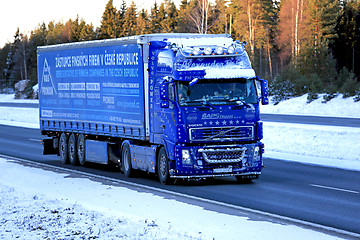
[(10, 98), (336, 107), (39, 204), (20, 117), (315, 144)]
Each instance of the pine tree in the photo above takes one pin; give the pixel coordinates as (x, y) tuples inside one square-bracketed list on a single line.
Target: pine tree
[(143, 23), (321, 19), (183, 20), (130, 21), (346, 47), (168, 15), (122, 12), (110, 22), (155, 19), (220, 18)]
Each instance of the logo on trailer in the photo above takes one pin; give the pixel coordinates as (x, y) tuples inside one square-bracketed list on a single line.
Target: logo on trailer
[(47, 84)]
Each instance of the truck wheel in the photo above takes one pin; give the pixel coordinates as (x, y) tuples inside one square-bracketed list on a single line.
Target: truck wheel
[(63, 148), (81, 149), (72, 149), (163, 166), (126, 160)]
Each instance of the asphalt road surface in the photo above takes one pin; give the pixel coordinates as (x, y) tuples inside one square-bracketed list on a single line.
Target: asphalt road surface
[(321, 195)]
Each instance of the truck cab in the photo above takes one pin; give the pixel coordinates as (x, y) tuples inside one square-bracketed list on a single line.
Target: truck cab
[(208, 111)]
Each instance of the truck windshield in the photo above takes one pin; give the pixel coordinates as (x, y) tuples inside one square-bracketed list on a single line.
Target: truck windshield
[(217, 92)]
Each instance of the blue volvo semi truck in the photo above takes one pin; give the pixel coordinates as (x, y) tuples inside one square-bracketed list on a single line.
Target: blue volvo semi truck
[(177, 105)]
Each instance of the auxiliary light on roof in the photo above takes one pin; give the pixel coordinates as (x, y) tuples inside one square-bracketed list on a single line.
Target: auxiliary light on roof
[(208, 51), (196, 51), (231, 50), (219, 50)]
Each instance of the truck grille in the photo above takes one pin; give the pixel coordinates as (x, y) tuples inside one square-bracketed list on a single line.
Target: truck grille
[(225, 155), (222, 133)]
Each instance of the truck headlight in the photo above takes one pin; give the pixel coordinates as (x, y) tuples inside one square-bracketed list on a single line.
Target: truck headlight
[(256, 154), (186, 159)]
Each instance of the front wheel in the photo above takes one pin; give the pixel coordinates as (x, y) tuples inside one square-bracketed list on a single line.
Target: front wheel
[(163, 166), (126, 160)]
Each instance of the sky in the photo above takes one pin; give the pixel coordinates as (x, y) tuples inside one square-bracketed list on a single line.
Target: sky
[(27, 15)]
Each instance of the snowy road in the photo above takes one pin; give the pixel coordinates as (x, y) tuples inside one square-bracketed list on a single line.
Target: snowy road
[(321, 195)]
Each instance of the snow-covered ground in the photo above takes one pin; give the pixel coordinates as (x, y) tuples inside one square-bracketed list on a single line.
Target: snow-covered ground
[(38, 204), (336, 107)]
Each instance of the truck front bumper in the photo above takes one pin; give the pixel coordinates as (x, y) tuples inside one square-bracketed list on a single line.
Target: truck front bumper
[(217, 160)]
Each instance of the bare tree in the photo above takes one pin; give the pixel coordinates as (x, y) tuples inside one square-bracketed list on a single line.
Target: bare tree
[(200, 15)]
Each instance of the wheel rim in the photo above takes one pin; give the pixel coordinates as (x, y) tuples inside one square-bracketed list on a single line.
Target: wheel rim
[(81, 150), (162, 165), (63, 150), (71, 149)]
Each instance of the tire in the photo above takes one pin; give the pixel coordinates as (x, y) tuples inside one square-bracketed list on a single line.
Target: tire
[(63, 149), (72, 149), (126, 160), (163, 167), (80, 144)]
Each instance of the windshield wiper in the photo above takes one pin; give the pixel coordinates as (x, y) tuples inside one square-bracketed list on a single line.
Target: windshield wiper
[(204, 102), (240, 102)]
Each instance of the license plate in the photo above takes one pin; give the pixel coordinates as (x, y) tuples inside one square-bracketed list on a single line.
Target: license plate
[(223, 170)]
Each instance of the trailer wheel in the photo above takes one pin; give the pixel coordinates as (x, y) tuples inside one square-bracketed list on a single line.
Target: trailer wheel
[(63, 148), (81, 149), (163, 166), (72, 149), (126, 160)]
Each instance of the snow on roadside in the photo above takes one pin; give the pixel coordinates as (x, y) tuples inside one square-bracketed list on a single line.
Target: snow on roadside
[(315, 144), (10, 98), (336, 107), (41, 204), (20, 117)]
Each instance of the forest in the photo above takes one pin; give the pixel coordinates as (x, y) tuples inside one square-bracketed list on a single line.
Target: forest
[(301, 46)]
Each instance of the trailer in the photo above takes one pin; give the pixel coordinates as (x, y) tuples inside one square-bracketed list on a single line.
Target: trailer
[(176, 105)]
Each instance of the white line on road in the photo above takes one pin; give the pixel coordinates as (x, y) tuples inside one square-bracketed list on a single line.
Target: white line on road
[(34, 140), (334, 188)]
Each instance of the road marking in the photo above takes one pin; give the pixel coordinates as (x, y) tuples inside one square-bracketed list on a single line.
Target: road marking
[(334, 188), (35, 140)]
